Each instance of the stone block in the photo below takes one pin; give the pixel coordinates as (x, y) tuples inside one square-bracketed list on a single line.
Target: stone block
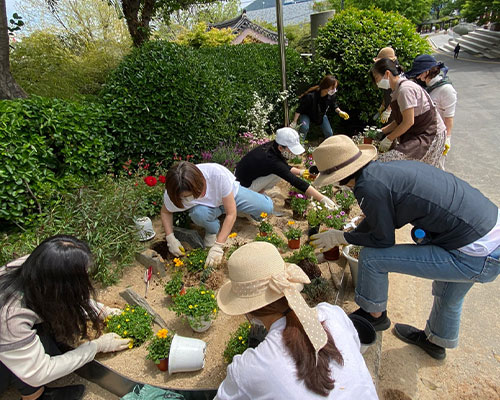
[(150, 258), (189, 236)]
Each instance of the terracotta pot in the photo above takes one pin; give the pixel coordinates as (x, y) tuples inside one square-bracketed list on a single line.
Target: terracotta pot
[(367, 140), (293, 243), (182, 291), (163, 365), (263, 233), (312, 177), (332, 254)]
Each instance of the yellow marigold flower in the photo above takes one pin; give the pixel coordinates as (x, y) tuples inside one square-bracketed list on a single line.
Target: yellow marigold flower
[(291, 222), (212, 296), (242, 342), (133, 310), (233, 235), (131, 344), (125, 332), (263, 214), (196, 305), (162, 333), (240, 337), (249, 326), (127, 309), (202, 292), (145, 313), (119, 326), (215, 310), (190, 306), (127, 320)]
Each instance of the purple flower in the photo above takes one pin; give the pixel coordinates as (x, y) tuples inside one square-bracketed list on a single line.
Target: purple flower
[(329, 216), (342, 213), (301, 196)]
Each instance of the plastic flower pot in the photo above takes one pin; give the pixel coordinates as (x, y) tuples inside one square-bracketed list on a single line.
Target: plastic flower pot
[(312, 230), (144, 228), (367, 140), (366, 332), (201, 326), (163, 365), (293, 243), (353, 264), (186, 354), (332, 254)]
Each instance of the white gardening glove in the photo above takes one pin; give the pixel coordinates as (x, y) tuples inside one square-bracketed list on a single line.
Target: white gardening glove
[(328, 240), (174, 246), (447, 145), (385, 144), (111, 342), (328, 203), (384, 117), (293, 125), (215, 255), (109, 311)]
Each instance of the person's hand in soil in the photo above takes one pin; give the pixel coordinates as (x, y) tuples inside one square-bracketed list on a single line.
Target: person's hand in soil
[(174, 246), (215, 255), (328, 240), (328, 203), (110, 342), (257, 335)]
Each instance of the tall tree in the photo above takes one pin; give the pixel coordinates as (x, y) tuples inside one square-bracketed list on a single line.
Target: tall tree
[(481, 10), (9, 89)]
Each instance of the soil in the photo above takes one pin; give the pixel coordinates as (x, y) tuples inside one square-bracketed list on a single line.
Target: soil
[(311, 269), (161, 248)]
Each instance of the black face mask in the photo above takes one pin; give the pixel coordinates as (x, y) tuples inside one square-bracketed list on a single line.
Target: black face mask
[(421, 83)]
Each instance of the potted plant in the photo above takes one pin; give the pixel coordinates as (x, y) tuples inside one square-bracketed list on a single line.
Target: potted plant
[(293, 235), (198, 306), (175, 286), (318, 290), (159, 347), (371, 133), (351, 253), (305, 259), (265, 227), (273, 238), (334, 219), (238, 342), (134, 322), (195, 260), (299, 206), (345, 199), (315, 217)]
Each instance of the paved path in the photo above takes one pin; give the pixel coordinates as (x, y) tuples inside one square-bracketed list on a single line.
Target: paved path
[(472, 371)]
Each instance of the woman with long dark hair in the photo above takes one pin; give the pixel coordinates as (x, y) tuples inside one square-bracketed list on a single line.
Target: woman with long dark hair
[(417, 131), (47, 297), (314, 104), (308, 353)]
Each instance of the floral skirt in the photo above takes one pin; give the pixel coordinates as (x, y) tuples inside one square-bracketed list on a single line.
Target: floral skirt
[(432, 157)]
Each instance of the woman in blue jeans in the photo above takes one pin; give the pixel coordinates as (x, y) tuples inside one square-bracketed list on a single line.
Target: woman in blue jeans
[(314, 104), (458, 244), (208, 191)]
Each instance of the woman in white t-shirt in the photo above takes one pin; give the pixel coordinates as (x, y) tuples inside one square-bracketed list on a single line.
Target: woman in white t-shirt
[(308, 353), (208, 191)]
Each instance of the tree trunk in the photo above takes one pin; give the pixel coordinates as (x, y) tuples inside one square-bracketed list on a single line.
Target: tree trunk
[(9, 89), (138, 14)]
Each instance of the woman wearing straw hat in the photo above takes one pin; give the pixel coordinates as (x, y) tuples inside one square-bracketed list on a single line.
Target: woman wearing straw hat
[(417, 131), (309, 353), (385, 108), (458, 242)]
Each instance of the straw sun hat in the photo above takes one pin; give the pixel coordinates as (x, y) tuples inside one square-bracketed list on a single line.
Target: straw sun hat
[(338, 157), (386, 52)]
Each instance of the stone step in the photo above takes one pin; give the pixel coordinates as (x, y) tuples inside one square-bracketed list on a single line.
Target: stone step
[(495, 34), (488, 38), (492, 53), (481, 40), (464, 40), (464, 47)]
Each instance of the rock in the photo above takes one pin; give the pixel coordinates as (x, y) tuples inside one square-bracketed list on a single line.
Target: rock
[(189, 236), (150, 258), (132, 297)]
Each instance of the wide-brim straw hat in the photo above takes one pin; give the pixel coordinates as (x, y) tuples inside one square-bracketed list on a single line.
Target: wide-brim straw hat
[(244, 266), (338, 157), (386, 52)]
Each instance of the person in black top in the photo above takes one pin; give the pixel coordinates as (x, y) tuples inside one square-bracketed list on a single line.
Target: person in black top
[(456, 230), (264, 166), (457, 50), (314, 104)]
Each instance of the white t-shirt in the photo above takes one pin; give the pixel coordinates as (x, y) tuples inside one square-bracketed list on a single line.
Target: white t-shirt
[(269, 372), (445, 98), (220, 183)]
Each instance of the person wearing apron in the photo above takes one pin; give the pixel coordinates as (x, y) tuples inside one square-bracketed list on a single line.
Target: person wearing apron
[(417, 132)]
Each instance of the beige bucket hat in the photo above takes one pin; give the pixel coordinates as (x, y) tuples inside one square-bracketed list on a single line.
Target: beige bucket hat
[(338, 157), (258, 277), (386, 52)]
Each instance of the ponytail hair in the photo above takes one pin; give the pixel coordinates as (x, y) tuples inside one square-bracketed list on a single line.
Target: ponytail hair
[(316, 377), (327, 82), (386, 64)]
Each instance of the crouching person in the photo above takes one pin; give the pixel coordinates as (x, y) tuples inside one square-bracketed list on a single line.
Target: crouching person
[(47, 297)]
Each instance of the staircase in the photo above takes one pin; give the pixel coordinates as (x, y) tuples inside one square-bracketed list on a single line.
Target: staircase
[(480, 43)]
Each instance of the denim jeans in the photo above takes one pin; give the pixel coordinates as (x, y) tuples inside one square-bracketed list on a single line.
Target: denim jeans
[(305, 122), (453, 273), (247, 202)]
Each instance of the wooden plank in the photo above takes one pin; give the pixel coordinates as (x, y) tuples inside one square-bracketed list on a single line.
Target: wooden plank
[(132, 297)]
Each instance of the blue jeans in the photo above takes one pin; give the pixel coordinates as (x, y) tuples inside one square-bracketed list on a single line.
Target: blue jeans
[(453, 273), (247, 201), (305, 122)]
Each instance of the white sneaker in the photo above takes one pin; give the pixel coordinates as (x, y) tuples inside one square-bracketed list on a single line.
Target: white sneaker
[(209, 239)]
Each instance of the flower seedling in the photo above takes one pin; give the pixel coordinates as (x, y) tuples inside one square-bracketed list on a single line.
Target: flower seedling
[(159, 346), (198, 303), (272, 238), (293, 233), (238, 342), (134, 322), (195, 260), (174, 285), (265, 226), (345, 199)]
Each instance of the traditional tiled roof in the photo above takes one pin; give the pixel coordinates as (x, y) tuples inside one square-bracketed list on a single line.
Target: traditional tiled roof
[(293, 13)]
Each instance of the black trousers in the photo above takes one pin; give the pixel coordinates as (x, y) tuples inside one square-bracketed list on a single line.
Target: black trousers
[(8, 378)]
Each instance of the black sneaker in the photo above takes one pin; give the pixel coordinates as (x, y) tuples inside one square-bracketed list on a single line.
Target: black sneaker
[(412, 335), (73, 392), (380, 324)]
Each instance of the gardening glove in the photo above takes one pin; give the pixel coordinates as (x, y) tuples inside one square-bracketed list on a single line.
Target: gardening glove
[(174, 246), (385, 144), (447, 145), (257, 335), (328, 240), (110, 342), (328, 203), (108, 312), (305, 174), (343, 114), (215, 255), (384, 117)]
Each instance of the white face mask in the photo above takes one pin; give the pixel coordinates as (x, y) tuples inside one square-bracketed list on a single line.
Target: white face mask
[(188, 199), (332, 92), (254, 321), (384, 84)]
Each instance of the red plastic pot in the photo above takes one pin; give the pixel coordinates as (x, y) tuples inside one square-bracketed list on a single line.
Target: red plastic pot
[(332, 254), (263, 233), (293, 243), (367, 140), (163, 365)]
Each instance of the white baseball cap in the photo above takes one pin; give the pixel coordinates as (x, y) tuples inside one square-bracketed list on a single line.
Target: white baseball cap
[(288, 137)]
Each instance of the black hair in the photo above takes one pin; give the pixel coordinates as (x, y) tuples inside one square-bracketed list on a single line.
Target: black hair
[(355, 175), (386, 64), (54, 283)]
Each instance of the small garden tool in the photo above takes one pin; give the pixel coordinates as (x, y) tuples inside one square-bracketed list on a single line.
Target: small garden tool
[(147, 277)]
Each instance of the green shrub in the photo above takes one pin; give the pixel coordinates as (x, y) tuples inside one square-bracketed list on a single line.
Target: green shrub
[(166, 98), (238, 342), (134, 322), (44, 145), (346, 46)]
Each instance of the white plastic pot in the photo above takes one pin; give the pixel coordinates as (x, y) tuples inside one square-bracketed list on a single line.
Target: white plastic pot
[(201, 326), (353, 264), (186, 354), (144, 228)]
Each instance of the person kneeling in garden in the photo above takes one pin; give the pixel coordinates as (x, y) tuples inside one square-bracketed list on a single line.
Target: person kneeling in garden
[(45, 297), (208, 191), (456, 230), (264, 166), (309, 353)]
